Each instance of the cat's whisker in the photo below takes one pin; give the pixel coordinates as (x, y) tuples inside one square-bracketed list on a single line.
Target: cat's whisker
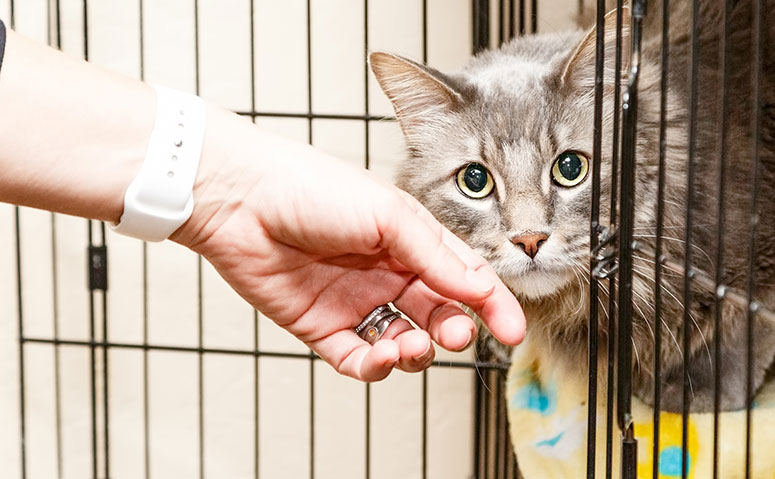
[(643, 315), (679, 240), (666, 269), (672, 335), (637, 356)]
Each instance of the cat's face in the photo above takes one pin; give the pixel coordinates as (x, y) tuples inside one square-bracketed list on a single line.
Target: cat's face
[(501, 154)]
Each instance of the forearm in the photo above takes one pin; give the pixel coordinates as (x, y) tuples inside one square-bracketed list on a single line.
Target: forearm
[(72, 135)]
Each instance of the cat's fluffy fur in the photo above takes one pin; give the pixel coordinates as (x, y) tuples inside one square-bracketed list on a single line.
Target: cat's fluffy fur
[(516, 109)]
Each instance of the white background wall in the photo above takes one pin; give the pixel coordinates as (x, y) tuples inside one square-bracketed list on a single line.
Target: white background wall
[(53, 258)]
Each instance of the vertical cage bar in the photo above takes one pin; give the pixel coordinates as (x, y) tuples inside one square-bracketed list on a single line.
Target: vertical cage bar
[(256, 317), (687, 298), (425, 424), (20, 317), (724, 56), (92, 347), (511, 19), (534, 16), (146, 421), (57, 368), (309, 140), (626, 220), (612, 306), (502, 443), (200, 313), (93, 369), (367, 432), (501, 19), (522, 17), (105, 373), (54, 40), (659, 258), (478, 429), (481, 17), (146, 392), (594, 230), (753, 307)]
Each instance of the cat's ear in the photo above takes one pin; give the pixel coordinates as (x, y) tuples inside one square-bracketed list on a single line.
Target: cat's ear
[(418, 92), (580, 68)]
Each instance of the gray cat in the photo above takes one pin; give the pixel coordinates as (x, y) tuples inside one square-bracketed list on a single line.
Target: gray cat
[(501, 153)]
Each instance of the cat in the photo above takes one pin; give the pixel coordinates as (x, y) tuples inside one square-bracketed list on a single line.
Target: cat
[(501, 153)]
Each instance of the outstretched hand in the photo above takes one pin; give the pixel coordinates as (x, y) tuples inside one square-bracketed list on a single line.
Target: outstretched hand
[(316, 245)]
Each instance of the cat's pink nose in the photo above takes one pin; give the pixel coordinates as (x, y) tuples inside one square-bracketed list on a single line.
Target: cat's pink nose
[(530, 243)]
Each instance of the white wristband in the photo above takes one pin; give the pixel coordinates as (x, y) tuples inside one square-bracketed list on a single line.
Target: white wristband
[(160, 198)]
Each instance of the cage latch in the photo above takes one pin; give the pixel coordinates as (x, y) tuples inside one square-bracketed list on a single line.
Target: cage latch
[(604, 254), (98, 268)]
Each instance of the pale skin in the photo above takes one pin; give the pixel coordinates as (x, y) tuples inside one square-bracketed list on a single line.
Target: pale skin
[(306, 239)]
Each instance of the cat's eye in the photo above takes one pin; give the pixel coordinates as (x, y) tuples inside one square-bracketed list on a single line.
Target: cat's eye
[(570, 169), (475, 181)]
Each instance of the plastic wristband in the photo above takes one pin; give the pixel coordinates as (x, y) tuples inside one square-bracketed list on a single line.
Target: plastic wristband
[(160, 198)]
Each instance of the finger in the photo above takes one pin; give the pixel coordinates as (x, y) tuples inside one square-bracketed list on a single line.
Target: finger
[(418, 243), (443, 318), (352, 356), (502, 315), (449, 267), (415, 350), (499, 309)]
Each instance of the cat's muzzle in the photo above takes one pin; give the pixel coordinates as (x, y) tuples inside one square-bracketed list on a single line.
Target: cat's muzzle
[(376, 323)]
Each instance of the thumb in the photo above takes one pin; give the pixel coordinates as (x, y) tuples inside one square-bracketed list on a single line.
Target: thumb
[(448, 266)]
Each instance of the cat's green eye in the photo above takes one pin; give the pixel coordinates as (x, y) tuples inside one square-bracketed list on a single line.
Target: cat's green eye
[(475, 181), (570, 169)]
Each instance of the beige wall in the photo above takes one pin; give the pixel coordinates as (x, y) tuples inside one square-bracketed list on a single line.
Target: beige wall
[(56, 288)]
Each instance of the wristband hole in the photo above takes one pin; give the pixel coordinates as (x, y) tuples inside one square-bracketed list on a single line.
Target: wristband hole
[(179, 142), (170, 174), (174, 157)]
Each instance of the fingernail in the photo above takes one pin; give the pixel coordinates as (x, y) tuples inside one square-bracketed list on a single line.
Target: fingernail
[(392, 363), (471, 338), (424, 357), (480, 281)]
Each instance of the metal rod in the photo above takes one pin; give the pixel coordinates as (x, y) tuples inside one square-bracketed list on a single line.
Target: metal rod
[(625, 229), (105, 373), (20, 315), (425, 424), (752, 310), (660, 228), (200, 314), (256, 317), (309, 140), (724, 56), (688, 238), (594, 230)]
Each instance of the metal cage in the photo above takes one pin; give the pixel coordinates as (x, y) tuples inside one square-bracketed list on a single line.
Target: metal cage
[(610, 263)]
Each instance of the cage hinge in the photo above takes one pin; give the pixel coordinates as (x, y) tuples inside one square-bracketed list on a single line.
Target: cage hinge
[(98, 268), (604, 254)]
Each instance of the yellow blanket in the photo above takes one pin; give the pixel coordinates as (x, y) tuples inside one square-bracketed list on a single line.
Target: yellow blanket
[(548, 420)]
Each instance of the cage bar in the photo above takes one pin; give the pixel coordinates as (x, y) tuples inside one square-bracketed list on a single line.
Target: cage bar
[(724, 57), (658, 258), (753, 307), (594, 238), (687, 298)]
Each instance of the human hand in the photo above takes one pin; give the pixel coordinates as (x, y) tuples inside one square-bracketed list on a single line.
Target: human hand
[(316, 245)]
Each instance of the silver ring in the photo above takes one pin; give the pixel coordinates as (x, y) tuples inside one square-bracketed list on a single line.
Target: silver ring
[(376, 323)]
